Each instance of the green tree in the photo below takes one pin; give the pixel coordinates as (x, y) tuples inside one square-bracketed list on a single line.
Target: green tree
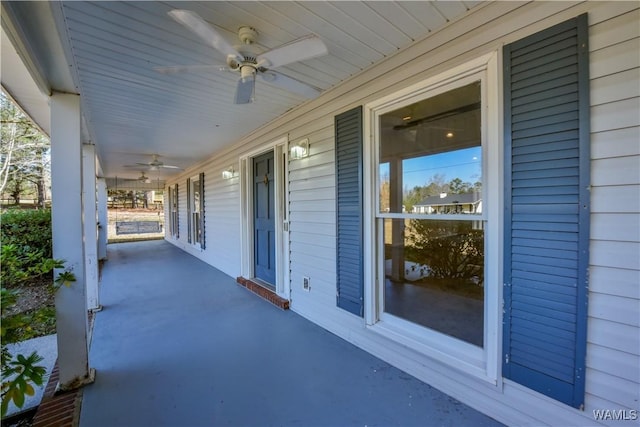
[(457, 186), (385, 194), (16, 187), (24, 154), (433, 186)]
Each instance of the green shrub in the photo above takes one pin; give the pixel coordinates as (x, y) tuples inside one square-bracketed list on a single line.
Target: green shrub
[(18, 372), (25, 236), (23, 372), (28, 229), (25, 257), (20, 267), (451, 249)]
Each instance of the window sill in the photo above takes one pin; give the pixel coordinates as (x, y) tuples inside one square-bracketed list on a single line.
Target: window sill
[(449, 351)]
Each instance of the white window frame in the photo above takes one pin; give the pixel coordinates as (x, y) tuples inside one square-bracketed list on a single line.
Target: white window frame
[(173, 200), (196, 241), (483, 363)]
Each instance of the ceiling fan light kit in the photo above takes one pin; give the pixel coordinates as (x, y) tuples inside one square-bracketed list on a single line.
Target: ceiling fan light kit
[(246, 90), (249, 64)]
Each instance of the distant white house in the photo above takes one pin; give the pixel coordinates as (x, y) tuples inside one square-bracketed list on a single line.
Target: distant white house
[(445, 203)]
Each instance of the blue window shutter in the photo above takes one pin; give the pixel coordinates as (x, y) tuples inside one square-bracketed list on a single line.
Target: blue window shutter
[(202, 233), (547, 210), (177, 202), (348, 136), (189, 210)]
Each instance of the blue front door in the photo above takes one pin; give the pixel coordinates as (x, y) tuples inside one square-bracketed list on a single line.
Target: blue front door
[(263, 219)]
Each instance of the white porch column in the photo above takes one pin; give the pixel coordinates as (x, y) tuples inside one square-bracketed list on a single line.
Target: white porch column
[(68, 245), (90, 225), (103, 219)]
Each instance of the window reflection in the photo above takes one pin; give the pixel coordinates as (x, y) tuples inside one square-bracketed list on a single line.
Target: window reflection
[(434, 273), (431, 155), (430, 167)]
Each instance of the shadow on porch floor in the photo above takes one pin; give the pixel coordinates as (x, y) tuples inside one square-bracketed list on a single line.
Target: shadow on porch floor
[(179, 343)]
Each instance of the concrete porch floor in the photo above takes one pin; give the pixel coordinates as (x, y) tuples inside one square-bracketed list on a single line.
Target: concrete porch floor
[(179, 343)]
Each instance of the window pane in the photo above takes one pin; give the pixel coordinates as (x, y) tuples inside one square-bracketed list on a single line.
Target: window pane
[(195, 211), (434, 275), (195, 190), (431, 156)]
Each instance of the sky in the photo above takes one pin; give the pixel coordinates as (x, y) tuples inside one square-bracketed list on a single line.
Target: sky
[(465, 164)]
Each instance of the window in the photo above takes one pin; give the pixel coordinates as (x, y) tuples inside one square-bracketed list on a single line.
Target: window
[(430, 190), (195, 210), (173, 211), (434, 157)]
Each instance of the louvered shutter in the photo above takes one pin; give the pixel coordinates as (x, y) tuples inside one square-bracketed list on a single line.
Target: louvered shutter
[(168, 194), (348, 137), (202, 233), (189, 219), (177, 202), (547, 210)]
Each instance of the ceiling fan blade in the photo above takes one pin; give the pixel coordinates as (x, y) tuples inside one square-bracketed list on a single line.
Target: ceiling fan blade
[(290, 84), (206, 32), (175, 69), (298, 50), (163, 166), (245, 90)]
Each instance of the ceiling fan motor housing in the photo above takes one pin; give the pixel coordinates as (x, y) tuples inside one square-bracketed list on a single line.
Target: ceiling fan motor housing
[(247, 35)]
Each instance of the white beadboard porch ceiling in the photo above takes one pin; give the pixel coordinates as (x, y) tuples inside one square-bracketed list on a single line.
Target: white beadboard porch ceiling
[(132, 111)]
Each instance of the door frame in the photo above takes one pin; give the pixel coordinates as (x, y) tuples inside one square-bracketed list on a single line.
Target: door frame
[(281, 184)]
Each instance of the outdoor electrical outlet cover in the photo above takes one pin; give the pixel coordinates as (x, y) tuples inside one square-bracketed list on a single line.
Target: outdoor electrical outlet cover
[(305, 284)]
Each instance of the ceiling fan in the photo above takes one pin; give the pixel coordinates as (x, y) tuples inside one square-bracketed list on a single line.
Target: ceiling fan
[(245, 62), (144, 179), (154, 165)]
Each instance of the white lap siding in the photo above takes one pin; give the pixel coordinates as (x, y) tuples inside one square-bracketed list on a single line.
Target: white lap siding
[(613, 337), (222, 215), (312, 214)]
